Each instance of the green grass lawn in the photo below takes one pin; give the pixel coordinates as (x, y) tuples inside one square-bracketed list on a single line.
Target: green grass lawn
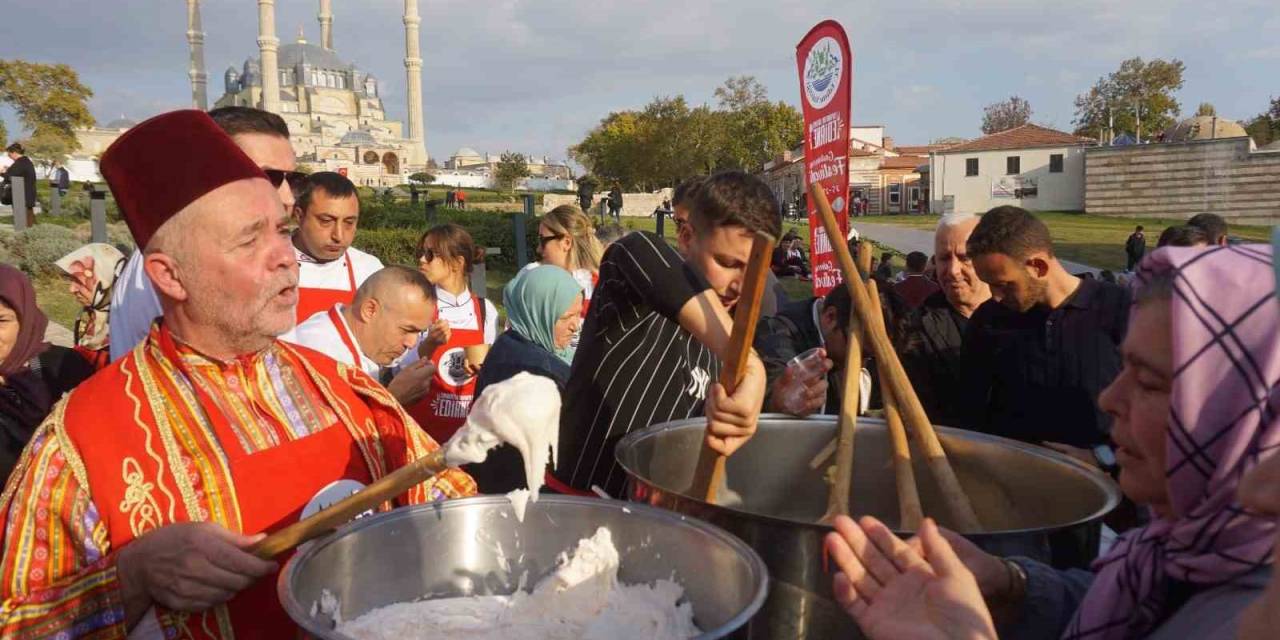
[(56, 301), (1093, 240)]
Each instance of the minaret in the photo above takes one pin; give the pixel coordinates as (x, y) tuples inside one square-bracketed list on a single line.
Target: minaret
[(267, 45), (326, 25), (413, 68), (195, 70)]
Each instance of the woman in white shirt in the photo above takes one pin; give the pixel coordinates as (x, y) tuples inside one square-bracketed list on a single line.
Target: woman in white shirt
[(567, 239), (446, 254)]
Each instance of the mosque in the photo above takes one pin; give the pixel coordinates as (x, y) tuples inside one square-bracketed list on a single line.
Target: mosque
[(335, 113)]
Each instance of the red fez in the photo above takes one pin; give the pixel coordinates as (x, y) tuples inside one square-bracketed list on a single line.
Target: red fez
[(164, 164)]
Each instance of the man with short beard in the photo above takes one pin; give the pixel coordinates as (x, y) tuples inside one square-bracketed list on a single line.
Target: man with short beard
[(264, 137), (1041, 350), (932, 335), (134, 506)]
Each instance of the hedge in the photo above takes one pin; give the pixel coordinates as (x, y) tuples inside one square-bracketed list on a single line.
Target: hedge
[(392, 234)]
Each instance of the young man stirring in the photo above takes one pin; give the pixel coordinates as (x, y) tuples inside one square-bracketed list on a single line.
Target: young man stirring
[(658, 328)]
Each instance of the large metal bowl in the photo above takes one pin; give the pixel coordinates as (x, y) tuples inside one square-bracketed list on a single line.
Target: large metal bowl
[(476, 547), (1020, 492)]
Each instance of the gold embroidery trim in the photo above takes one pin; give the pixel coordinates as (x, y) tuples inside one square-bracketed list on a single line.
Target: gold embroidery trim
[(157, 409), (138, 503)]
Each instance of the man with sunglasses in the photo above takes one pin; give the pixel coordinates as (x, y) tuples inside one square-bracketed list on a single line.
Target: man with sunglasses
[(264, 137), (329, 268)]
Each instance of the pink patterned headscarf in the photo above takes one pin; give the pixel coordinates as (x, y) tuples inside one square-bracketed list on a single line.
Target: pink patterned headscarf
[(1223, 418)]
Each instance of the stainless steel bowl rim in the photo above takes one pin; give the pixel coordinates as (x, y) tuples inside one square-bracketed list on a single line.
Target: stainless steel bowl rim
[(1113, 497), (298, 612)]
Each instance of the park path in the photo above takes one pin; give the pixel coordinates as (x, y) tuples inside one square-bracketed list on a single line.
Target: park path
[(906, 240)]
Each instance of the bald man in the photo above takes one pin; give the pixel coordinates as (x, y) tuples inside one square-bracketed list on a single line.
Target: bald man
[(932, 338), (391, 308)]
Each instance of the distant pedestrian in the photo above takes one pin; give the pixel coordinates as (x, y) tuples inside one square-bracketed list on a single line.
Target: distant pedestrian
[(450, 199), (1135, 247), (615, 203), (61, 179), (915, 287), (884, 272), (22, 168), (461, 198), (857, 205)]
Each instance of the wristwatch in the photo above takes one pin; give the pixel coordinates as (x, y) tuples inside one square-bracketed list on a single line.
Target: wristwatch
[(1106, 458)]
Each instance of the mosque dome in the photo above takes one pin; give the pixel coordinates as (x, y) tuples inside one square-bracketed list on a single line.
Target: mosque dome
[(122, 123), (1204, 128), (318, 57), (466, 152), (357, 138)]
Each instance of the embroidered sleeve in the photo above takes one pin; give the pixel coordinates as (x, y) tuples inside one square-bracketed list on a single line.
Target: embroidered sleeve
[(57, 575), (453, 483)]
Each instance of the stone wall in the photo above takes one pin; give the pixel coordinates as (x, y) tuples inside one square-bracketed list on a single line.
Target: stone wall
[(634, 205), (1179, 180)]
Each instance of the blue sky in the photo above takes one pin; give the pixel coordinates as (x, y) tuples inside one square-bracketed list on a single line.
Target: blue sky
[(535, 75)]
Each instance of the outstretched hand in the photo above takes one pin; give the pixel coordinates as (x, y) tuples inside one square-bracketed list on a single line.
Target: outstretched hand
[(894, 592)]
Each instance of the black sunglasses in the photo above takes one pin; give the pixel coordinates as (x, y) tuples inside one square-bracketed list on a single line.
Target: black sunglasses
[(426, 255), (543, 240), (297, 180)]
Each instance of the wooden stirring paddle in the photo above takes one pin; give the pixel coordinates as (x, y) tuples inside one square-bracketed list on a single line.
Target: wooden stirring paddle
[(910, 512), (842, 484), (339, 513), (965, 519), (709, 474)]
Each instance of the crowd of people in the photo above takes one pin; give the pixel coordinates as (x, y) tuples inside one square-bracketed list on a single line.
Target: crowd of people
[(247, 365)]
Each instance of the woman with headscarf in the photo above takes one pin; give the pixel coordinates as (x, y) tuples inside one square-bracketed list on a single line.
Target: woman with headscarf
[(543, 310), (1195, 409), (91, 272), (33, 373)]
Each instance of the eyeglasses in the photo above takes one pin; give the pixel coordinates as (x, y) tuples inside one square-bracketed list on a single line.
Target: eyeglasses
[(426, 255), (543, 240), (296, 179)]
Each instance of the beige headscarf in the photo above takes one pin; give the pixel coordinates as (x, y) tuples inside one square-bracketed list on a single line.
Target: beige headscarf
[(92, 270)]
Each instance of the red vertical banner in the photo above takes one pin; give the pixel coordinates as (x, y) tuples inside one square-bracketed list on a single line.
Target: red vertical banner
[(825, 63)]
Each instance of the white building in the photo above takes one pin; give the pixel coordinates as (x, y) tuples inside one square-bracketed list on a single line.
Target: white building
[(1030, 166)]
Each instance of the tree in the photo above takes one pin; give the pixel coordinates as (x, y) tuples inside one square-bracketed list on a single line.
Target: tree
[(1265, 127), (511, 167), (754, 130), (422, 178), (4, 134), (1006, 114), (1206, 109), (1138, 91), (48, 98), (47, 146)]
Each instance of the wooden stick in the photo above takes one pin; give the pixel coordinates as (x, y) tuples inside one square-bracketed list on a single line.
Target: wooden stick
[(966, 520), (909, 511), (838, 498), (342, 511), (865, 249), (709, 474)]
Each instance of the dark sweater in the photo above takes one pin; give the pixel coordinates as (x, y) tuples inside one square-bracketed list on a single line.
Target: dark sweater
[(27, 397), (511, 354)]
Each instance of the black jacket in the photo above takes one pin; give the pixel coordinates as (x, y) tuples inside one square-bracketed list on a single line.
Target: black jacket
[(23, 168), (931, 351), (786, 335), (512, 353), (28, 396)]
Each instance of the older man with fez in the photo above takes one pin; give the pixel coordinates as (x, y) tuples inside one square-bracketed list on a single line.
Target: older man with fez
[(131, 510)]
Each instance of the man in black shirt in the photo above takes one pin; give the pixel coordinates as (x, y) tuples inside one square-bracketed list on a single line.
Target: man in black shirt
[(932, 336), (23, 168), (657, 330), (1045, 346)]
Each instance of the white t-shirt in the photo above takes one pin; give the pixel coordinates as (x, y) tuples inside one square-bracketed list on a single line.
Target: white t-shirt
[(134, 306), (460, 312), (320, 333), (333, 274), (582, 276)]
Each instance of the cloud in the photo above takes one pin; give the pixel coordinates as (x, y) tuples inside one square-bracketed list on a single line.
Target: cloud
[(534, 76)]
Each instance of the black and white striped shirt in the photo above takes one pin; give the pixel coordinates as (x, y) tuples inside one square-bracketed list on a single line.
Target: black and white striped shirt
[(636, 366)]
